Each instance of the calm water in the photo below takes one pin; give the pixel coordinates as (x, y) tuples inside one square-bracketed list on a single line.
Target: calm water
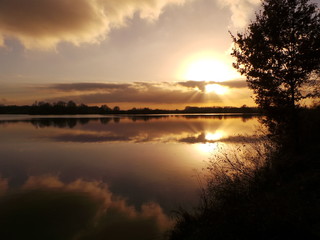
[(105, 176)]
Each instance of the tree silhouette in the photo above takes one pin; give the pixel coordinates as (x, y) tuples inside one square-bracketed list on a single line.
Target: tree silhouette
[(71, 104), (279, 53), (116, 109)]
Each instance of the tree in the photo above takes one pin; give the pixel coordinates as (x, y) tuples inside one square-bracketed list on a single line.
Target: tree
[(104, 108), (279, 53), (60, 104), (116, 109), (71, 104)]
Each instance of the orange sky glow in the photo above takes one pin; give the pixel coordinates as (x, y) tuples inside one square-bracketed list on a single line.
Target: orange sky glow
[(164, 54)]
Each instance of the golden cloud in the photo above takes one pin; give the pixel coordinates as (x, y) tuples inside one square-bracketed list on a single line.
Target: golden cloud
[(43, 24), (241, 10)]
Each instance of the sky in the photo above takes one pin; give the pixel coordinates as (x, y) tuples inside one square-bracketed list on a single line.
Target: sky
[(130, 53)]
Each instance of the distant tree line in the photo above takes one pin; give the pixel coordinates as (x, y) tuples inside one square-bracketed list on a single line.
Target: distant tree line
[(57, 108), (226, 109), (70, 107)]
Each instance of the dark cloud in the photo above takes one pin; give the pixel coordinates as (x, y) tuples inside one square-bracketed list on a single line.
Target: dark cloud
[(142, 92), (193, 84), (201, 84), (234, 84), (88, 86), (155, 95), (45, 23)]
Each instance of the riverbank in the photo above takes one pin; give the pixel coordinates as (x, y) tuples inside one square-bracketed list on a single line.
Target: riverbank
[(62, 108), (278, 199)]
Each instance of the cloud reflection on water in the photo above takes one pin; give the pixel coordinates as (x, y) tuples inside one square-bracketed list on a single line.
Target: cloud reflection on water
[(145, 159), (47, 208), (190, 129)]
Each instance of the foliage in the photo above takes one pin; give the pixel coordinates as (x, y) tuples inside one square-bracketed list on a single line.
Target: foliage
[(279, 53), (230, 178), (60, 108), (259, 191)]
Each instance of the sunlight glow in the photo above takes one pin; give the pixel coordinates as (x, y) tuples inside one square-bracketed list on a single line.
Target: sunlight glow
[(208, 69), (207, 147), (210, 147), (214, 136), (216, 88)]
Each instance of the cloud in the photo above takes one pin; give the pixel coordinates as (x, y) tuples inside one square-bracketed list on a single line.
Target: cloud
[(157, 95), (45, 23), (234, 84), (189, 92), (202, 84), (142, 92), (193, 84), (89, 86), (241, 10)]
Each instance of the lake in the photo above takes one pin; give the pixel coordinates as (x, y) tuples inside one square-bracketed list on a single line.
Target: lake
[(97, 176)]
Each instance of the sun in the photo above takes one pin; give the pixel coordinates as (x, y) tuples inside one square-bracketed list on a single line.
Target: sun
[(208, 69), (216, 88), (214, 136)]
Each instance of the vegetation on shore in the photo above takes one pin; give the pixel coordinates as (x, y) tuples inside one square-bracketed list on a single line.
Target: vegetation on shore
[(260, 191), (70, 108)]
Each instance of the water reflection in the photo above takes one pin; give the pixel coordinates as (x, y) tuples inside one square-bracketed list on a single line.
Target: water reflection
[(73, 120), (207, 148), (47, 208), (163, 128), (147, 160), (214, 136)]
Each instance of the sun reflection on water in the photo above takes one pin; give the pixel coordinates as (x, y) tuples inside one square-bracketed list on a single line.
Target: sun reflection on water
[(214, 136), (207, 147), (212, 142)]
